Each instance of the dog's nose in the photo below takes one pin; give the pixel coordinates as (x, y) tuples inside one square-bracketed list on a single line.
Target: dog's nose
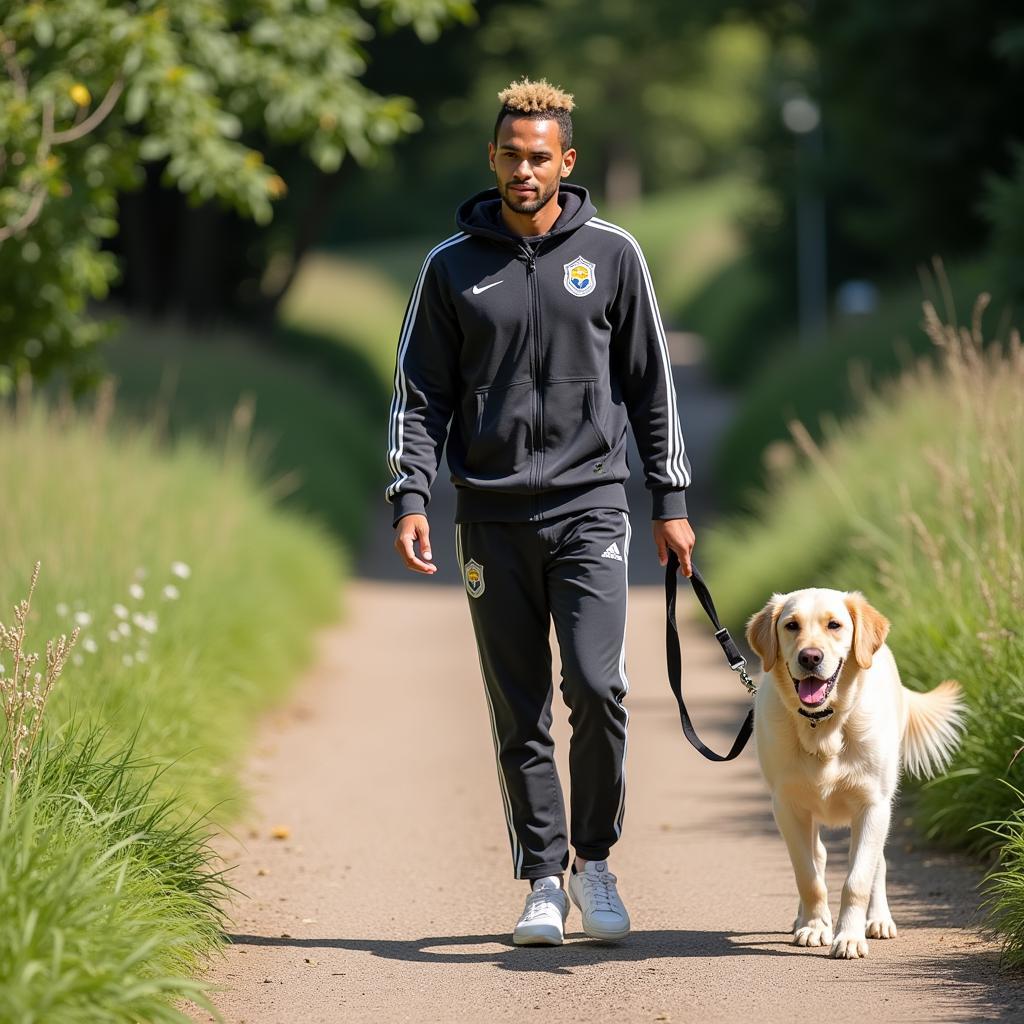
[(810, 657)]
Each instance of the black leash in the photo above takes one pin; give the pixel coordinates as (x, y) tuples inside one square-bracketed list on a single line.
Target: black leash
[(675, 661)]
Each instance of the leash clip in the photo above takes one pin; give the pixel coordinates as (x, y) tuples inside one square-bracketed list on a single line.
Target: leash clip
[(736, 660)]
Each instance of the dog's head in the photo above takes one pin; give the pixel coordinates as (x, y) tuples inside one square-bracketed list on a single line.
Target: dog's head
[(806, 638)]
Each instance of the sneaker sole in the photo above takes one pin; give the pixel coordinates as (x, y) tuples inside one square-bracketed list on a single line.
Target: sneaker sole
[(607, 936), (547, 937)]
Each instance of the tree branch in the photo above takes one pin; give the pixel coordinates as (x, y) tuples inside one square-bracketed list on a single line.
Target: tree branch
[(13, 67), (27, 217), (95, 118)]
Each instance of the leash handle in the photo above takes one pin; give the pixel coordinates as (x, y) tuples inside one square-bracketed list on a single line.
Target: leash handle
[(675, 659)]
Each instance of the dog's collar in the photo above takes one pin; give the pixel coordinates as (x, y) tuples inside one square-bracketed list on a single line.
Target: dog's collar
[(817, 716)]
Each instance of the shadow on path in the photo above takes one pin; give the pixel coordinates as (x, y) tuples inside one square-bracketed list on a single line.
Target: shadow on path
[(464, 949)]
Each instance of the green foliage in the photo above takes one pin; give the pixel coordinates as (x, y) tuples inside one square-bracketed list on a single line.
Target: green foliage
[(1005, 885), (107, 510), (196, 600), (917, 504), (785, 382), (93, 88), (1003, 207), (311, 409), (107, 898)]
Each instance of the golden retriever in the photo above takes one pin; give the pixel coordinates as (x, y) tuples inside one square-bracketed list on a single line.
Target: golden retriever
[(833, 723)]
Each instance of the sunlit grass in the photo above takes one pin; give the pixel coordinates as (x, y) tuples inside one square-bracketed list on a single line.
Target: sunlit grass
[(196, 599)]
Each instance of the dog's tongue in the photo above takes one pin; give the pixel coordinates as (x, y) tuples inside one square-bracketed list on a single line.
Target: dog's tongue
[(811, 690)]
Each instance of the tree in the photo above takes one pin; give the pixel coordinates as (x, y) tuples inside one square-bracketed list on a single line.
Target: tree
[(96, 89)]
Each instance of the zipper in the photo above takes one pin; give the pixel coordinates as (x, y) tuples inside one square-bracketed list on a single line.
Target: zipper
[(536, 358)]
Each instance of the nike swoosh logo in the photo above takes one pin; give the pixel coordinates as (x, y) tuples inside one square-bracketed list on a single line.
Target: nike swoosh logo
[(477, 289)]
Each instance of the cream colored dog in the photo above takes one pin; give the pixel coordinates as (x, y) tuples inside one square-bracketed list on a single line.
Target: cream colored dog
[(833, 722)]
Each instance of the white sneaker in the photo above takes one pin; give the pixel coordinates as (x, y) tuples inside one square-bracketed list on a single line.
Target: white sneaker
[(543, 919), (593, 891)]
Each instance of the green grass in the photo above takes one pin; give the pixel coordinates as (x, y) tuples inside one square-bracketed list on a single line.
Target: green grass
[(917, 502), (106, 896), (688, 236), (107, 903), (318, 410), (827, 384)]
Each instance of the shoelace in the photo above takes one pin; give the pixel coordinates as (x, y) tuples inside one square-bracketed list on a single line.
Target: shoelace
[(600, 888), (538, 897)]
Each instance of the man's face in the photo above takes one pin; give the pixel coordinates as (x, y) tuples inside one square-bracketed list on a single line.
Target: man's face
[(528, 162)]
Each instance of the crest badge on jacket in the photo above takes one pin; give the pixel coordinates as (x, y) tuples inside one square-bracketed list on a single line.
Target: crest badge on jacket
[(579, 276)]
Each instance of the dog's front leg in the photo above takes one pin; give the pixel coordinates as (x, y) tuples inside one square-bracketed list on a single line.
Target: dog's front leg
[(813, 924), (867, 840), (880, 922)]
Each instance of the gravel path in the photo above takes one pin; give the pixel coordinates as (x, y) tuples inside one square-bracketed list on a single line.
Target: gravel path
[(391, 899)]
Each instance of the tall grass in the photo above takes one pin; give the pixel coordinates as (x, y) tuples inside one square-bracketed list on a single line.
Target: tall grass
[(196, 598), (918, 502)]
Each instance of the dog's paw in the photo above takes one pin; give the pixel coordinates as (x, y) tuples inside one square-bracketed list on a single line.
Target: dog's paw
[(881, 928), (849, 946), (814, 933)]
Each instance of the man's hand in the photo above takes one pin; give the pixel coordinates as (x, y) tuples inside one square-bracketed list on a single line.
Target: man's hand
[(674, 534), (408, 531)]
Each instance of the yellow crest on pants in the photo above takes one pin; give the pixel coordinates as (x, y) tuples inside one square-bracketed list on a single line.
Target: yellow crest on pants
[(474, 575)]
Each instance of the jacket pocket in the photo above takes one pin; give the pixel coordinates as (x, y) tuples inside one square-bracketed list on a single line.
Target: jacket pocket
[(500, 445), (593, 419)]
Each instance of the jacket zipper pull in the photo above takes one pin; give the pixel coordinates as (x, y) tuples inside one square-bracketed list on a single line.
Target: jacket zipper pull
[(531, 259)]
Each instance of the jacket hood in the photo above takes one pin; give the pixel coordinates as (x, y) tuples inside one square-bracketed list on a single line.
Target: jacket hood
[(481, 214)]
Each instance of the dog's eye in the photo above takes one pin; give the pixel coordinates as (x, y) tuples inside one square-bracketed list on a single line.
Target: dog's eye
[(835, 625), (792, 625)]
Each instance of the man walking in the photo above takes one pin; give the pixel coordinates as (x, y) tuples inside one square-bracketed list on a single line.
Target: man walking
[(534, 332)]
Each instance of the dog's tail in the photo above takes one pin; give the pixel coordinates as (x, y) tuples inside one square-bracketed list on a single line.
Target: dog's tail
[(935, 721)]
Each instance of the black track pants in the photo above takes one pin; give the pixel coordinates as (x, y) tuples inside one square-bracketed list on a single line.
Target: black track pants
[(520, 576)]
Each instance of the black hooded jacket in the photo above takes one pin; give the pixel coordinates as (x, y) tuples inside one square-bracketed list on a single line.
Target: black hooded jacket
[(528, 355)]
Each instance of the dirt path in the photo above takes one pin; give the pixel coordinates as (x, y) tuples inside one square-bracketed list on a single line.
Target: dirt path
[(392, 901)]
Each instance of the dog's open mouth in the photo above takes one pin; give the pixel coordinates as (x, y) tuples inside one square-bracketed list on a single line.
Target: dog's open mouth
[(813, 691)]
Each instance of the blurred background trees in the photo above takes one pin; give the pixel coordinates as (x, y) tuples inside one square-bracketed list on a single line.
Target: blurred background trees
[(200, 102)]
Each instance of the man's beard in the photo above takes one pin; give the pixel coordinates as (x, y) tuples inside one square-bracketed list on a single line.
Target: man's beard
[(526, 205)]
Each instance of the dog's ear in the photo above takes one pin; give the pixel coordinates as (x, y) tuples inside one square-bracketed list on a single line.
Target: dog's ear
[(761, 633), (870, 628)]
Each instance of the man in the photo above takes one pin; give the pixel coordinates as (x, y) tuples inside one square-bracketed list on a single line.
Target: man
[(535, 331)]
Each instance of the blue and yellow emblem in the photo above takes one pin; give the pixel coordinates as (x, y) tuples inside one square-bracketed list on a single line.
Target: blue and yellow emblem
[(579, 276), (474, 576)]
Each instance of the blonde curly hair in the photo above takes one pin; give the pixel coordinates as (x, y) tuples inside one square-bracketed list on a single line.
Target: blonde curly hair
[(535, 97), (527, 98)]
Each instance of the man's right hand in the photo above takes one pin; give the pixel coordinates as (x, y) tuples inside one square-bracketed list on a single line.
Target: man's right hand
[(409, 531)]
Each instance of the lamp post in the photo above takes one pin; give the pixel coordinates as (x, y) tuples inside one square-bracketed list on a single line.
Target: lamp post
[(802, 116)]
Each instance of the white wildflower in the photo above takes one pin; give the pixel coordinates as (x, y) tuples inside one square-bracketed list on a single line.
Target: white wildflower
[(124, 628), (90, 645), (83, 618), (62, 608), (171, 592), (136, 591), (181, 570), (128, 659), (114, 636), (120, 611)]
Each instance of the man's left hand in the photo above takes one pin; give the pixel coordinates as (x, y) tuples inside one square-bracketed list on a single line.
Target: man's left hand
[(674, 534)]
